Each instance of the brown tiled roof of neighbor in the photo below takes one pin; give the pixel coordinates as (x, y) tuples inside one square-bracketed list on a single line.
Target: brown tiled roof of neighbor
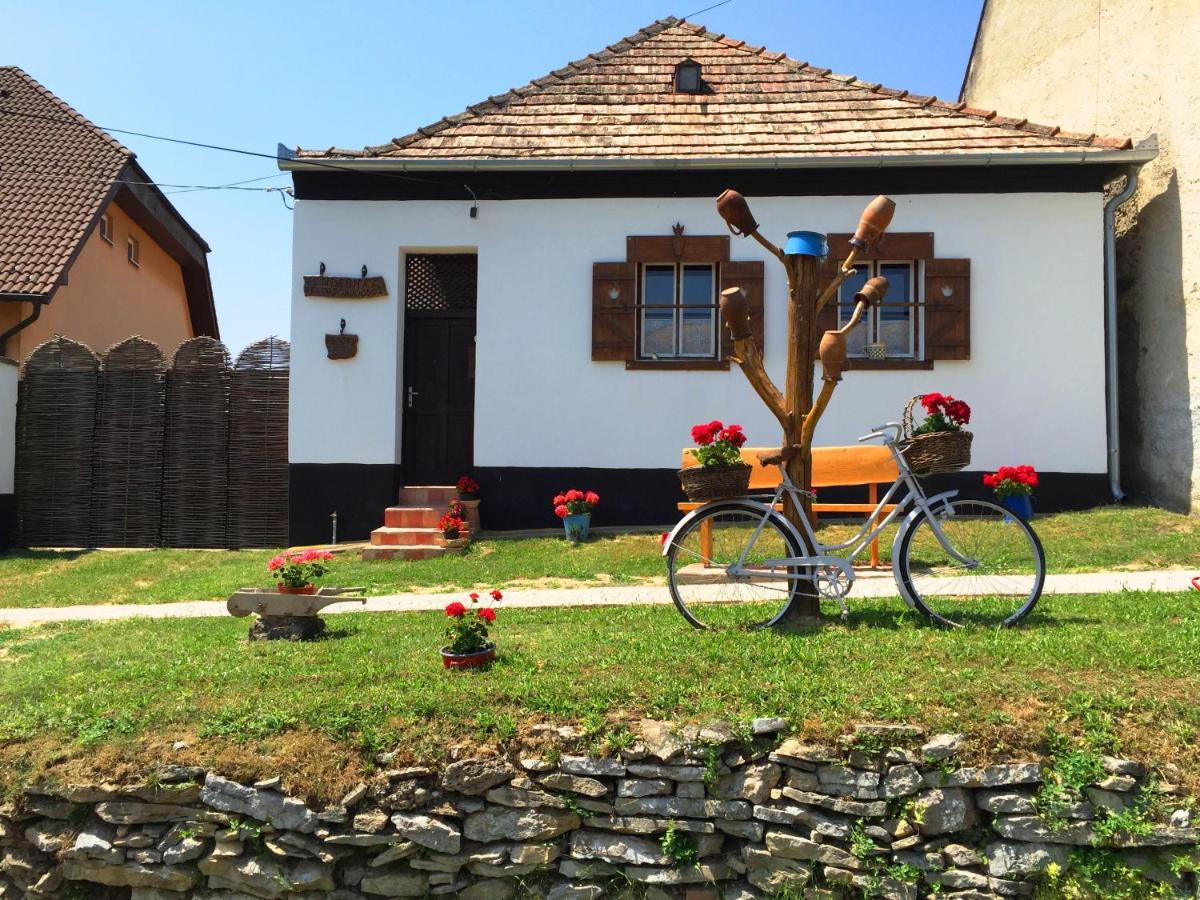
[(54, 176), (621, 103)]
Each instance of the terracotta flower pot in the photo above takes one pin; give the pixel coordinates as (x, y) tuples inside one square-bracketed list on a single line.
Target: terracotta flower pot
[(469, 660), (284, 589)]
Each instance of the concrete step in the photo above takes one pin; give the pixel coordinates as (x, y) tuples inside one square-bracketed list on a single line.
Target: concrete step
[(412, 516), (436, 495), (400, 552), (407, 536)]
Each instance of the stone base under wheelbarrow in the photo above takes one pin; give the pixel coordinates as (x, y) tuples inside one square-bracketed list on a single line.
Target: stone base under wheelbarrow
[(287, 617)]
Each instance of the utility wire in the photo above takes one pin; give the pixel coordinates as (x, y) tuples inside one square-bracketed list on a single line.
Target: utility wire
[(233, 185), (706, 9)]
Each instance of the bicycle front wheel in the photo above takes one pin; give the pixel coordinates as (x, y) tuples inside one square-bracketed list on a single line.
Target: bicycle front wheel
[(992, 574), (700, 558)]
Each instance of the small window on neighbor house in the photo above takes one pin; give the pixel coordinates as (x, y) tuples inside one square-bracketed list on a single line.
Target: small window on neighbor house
[(106, 227), (687, 77), (133, 252)]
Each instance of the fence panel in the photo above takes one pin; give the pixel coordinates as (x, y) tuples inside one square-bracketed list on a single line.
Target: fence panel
[(258, 424), (56, 444)]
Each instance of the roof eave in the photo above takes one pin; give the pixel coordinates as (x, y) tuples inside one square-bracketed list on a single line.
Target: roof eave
[(1136, 156)]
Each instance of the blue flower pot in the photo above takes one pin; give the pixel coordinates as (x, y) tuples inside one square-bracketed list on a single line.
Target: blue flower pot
[(806, 243), (1020, 506), (576, 527)]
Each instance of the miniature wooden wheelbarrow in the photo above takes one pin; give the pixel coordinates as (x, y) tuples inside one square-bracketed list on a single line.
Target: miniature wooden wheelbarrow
[(287, 617)]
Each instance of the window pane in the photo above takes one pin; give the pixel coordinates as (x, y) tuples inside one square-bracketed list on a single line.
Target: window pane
[(658, 325), (895, 319), (856, 340), (698, 325)]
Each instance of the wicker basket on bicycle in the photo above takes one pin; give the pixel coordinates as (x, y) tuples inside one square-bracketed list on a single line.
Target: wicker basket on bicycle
[(936, 451), (702, 483)]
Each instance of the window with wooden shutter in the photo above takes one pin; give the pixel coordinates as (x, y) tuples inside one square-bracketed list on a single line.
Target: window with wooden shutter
[(947, 309), (614, 311)]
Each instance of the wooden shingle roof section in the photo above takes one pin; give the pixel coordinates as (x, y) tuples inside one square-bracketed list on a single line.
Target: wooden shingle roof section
[(56, 170), (622, 103)]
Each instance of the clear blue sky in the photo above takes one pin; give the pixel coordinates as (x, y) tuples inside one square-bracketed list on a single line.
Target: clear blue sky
[(250, 74)]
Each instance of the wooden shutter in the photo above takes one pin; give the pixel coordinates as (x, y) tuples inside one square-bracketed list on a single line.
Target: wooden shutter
[(827, 318), (748, 275), (614, 320), (947, 309)]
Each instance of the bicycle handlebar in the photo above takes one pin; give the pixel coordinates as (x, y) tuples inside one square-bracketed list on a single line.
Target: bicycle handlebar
[(879, 431)]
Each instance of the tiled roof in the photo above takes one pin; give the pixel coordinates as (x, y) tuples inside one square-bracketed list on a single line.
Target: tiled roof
[(54, 175), (621, 103)]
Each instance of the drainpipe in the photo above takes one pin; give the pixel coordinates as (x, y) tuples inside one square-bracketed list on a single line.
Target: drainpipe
[(1110, 330), (28, 320)]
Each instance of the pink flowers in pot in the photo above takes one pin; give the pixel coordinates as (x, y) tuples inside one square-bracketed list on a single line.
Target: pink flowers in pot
[(575, 503), (299, 569)]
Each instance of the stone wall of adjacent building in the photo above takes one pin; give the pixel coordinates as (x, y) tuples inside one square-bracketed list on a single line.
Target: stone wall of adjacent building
[(690, 813)]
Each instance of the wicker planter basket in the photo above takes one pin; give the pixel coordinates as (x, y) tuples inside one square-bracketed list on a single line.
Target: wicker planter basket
[(935, 452), (715, 482)]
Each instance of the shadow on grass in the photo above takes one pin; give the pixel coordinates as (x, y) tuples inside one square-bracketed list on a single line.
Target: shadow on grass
[(44, 555), (904, 619)]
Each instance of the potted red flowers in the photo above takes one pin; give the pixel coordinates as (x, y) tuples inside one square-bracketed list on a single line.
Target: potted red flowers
[(575, 507), (940, 443), (467, 487), (454, 531), (1013, 487), (295, 572), (721, 472), (467, 633), (468, 498)]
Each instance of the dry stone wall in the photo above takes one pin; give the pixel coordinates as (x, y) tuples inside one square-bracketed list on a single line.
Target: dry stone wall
[(690, 812)]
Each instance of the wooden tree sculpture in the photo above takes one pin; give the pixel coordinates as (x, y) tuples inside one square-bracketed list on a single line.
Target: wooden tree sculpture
[(794, 407)]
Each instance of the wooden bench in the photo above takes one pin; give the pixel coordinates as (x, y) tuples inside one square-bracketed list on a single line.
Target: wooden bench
[(832, 467)]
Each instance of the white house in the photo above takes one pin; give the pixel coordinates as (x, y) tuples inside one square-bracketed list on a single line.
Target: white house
[(526, 313)]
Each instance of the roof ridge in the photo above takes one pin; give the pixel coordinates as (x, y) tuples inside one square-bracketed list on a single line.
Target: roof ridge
[(499, 101), (69, 109)]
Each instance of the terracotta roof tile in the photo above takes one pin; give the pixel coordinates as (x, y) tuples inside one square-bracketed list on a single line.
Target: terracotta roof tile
[(54, 175), (621, 103)]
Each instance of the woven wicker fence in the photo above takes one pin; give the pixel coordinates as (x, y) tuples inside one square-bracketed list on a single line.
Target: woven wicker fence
[(258, 467), (55, 444), (129, 446)]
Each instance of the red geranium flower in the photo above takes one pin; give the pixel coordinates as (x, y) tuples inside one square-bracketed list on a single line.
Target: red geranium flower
[(561, 511), (559, 499), (573, 495), (474, 597), (592, 498), (488, 615), (455, 610), (497, 596)]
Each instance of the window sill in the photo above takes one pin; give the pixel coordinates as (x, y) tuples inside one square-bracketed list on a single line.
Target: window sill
[(867, 365), (706, 365)]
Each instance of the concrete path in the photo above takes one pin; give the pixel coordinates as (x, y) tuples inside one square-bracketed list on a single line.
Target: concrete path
[(869, 584)]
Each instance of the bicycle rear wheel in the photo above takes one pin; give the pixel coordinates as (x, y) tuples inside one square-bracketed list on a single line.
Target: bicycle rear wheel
[(998, 584), (699, 558)]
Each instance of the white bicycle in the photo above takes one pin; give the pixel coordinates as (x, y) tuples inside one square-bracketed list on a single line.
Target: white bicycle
[(739, 563)]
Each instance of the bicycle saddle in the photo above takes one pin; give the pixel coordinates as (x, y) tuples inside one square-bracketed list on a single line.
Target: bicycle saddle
[(783, 454)]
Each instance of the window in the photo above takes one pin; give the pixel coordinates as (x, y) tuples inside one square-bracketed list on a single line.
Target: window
[(678, 312), (687, 77), (894, 323), (132, 252), (106, 227)]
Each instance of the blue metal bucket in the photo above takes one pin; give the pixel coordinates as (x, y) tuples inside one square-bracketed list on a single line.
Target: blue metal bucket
[(1020, 505), (576, 527), (806, 243)]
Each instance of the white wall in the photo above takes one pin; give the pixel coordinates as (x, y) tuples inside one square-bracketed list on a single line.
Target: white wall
[(1035, 378), (8, 423)]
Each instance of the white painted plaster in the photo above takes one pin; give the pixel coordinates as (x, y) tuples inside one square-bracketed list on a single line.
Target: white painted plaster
[(8, 424), (1035, 379)]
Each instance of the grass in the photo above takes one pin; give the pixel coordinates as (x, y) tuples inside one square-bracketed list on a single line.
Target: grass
[(79, 698), (1104, 538)]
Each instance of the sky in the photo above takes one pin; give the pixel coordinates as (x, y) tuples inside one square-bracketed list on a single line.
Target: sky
[(249, 75)]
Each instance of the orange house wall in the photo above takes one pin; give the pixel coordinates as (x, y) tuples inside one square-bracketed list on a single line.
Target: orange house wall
[(107, 298)]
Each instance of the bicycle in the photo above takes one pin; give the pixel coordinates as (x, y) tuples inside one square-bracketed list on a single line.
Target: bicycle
[(740, 563)]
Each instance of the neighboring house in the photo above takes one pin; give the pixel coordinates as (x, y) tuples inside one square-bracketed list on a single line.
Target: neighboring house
[(557, 332), (89, 246), (1126, 67)]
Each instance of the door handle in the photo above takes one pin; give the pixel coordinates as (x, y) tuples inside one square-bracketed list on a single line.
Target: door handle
[(411, 394)]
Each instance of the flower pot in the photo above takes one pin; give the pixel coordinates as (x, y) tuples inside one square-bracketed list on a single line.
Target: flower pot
[(469, 660), (306, 589), (471, 509), (715, 482), (455, 543), (468, 495), (1020, 505), (806, 243), (876, 350), (576, 527)]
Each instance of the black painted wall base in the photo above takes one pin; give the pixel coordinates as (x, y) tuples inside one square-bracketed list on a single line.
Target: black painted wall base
[(8, 520), (358, 492), (520, 497)]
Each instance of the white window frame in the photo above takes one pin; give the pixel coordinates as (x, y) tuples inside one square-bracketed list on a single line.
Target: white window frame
[(106, 226), (677, 318), (871, 319), (133, 251)]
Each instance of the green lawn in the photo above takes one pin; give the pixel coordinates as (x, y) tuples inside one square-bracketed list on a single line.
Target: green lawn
[(100, 695), (1104, 538)]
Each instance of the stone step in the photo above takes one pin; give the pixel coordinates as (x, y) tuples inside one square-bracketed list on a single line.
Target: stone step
[(412, 516), (400, 552), (427, 495), (409, 537)]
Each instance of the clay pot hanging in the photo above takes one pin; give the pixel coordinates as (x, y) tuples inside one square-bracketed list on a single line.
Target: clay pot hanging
[(875, 220), (736, 312), (733, 208), (833, 356)]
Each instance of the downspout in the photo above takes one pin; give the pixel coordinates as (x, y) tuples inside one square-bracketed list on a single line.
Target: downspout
[(1110, 331), (28, 320)]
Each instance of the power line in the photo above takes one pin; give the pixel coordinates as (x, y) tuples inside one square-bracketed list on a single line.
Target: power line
[(184, 188), (706, 9)]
